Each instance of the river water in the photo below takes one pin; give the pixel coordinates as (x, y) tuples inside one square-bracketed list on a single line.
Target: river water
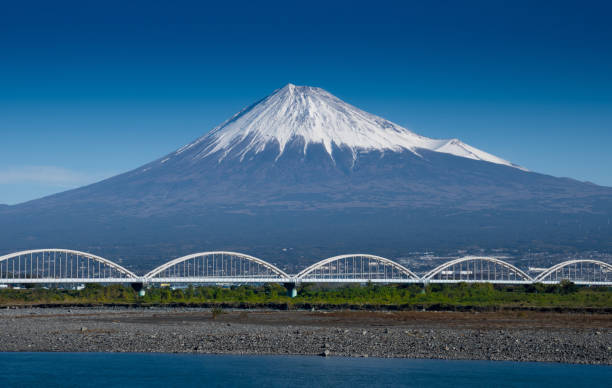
[(172, 370)]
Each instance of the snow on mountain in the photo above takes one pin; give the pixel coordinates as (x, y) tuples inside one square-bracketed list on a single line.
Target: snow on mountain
[(458, 148), (318, 117)]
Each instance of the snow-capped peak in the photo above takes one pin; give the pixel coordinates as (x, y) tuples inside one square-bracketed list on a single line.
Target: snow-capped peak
[(317, 117)]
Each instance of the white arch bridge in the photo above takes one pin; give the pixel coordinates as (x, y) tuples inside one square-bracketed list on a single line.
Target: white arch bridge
[(65, 266)]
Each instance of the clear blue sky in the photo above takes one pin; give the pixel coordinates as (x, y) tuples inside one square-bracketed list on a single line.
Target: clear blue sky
[(88, 91)]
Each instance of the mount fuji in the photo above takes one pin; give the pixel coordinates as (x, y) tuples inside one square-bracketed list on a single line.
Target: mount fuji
[(301, 173)]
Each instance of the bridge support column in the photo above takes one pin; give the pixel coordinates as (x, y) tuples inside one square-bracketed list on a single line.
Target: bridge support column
[(140, 288), (425, 284), (291, 289)]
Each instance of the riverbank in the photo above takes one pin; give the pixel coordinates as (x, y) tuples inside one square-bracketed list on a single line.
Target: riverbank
[(506, 335)]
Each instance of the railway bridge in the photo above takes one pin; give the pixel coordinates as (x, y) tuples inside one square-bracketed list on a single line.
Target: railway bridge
[(66, 266)]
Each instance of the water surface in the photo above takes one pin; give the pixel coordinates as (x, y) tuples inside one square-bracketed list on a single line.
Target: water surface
[(185, 370)]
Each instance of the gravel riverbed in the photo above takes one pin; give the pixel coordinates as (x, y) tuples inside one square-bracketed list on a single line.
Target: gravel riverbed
[(518, 336)]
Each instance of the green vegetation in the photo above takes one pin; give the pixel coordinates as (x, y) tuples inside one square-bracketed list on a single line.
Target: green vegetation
[(565, 295)]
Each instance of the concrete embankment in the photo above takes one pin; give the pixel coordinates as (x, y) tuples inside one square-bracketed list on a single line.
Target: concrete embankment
[(506, 335)]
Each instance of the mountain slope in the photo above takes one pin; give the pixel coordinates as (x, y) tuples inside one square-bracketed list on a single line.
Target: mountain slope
[(303, 169)]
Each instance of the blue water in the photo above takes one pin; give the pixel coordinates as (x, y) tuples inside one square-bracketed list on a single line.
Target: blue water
[(171, 370)]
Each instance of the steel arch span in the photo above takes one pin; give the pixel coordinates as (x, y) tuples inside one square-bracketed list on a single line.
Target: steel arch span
[(217, 267), (357, 268), (584, 271), (61, 266), (477, 269)]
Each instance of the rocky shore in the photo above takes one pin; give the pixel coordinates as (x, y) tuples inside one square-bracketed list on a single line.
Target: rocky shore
[(518, 336)]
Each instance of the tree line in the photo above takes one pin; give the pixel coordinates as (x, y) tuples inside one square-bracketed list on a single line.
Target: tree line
[(565, 294)]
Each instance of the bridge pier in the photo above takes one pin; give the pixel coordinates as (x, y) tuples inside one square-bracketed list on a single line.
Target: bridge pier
[(425, 284), (139, 287), (291, 289)]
